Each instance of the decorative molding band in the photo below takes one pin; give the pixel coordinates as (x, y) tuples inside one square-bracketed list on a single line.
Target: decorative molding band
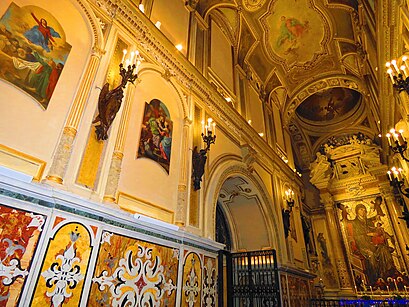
[(36, 195), (136, 205), (22, 162)]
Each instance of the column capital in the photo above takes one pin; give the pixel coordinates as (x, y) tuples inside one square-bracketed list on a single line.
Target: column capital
[(327, 200), (97, 52), (187, 121)]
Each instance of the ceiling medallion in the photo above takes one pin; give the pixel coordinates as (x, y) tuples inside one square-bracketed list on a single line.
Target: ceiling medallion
[(253, 5), (295, 32)]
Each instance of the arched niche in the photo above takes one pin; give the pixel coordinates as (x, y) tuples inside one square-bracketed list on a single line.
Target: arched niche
[(243, 205), (142, 177)]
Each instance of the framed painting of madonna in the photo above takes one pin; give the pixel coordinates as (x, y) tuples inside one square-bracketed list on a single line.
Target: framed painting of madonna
[(373, 249), (33, 51)]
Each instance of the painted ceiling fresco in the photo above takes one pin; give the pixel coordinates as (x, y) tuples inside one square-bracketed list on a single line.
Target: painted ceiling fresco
[(292, 49), (294, 30), (330, 104)]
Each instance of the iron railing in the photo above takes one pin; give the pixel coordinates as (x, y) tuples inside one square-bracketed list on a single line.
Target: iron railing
[(359, 303), (254, 279)]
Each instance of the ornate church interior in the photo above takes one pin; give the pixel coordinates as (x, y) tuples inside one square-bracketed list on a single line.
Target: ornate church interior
[(204, 153)]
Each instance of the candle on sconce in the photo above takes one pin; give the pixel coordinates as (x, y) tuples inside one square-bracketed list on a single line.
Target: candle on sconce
[(124, 55), (403, 69), (393, 62), (405, 60), (388, 136), (209, 126), (132, 57), (390, 72), (203, 127), (400, 173), (401, 133), (389, 175)]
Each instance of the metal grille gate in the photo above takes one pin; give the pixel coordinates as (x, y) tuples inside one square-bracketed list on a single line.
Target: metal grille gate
[(252, 279)]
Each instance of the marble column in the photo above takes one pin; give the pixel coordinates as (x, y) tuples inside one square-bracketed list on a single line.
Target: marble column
[(64, 148), (115, 167), (335, 238), (181, 208)]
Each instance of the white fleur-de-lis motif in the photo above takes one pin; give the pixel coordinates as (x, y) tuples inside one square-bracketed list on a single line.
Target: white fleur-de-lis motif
[(191, 287), (209, 284), (65, 276)]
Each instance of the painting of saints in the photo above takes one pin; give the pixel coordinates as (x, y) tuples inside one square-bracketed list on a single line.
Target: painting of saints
[(371, 244), (32, 53), (156, 134)]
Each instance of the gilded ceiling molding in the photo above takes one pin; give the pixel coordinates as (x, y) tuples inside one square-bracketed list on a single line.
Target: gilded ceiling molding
[(220, 5), (342, 5), (326, 83), (225, 26)]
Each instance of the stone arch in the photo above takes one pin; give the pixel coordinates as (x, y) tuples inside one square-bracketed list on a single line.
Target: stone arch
[(148, 67), (88, 14), (231, 167)]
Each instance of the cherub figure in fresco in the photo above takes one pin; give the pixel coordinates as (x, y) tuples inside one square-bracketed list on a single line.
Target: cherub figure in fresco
[(42, 34), (291, 29)]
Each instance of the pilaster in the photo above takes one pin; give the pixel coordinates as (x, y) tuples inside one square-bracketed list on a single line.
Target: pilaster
[(341, 265), (180, 218), (64, 148)]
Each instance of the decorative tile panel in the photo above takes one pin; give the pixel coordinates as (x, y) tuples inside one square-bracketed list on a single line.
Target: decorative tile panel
[(64, 268), (132, 272), (192, 279), (209, 287), (20, 232)]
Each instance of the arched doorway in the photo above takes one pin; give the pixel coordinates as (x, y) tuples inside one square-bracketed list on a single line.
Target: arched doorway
[(248, 274)]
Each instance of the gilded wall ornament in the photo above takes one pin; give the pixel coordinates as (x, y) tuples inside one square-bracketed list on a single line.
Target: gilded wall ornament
[(253, 5)]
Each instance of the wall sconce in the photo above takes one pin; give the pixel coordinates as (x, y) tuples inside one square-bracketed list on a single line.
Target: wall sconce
[(399, 74), (286, 213), (109, 101), (199, 157), (289, 197), (396, 180), (397, 143)]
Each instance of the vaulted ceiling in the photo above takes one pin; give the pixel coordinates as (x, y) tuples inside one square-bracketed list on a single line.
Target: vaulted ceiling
[(311, 59)]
